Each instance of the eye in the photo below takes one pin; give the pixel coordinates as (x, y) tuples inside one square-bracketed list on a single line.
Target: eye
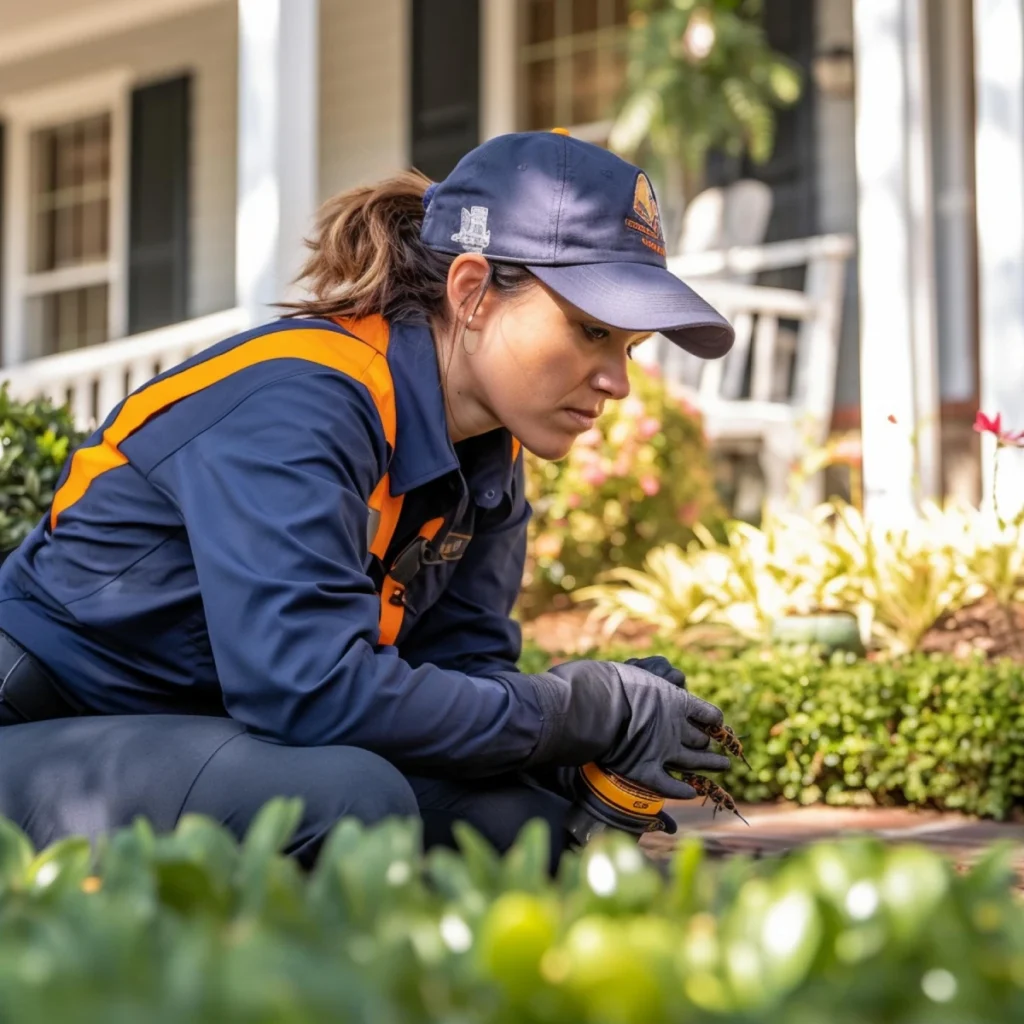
[(596, 333)]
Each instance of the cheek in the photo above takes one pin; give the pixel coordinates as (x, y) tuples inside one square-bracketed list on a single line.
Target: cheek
[(539, 368)]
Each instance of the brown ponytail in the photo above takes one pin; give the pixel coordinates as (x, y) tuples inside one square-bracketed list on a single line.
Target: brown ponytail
[(367, 257)]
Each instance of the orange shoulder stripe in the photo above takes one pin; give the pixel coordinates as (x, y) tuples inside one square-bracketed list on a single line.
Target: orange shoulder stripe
[(363, 362)]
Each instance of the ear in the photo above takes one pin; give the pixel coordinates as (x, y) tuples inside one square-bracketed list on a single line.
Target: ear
[(466, 277)]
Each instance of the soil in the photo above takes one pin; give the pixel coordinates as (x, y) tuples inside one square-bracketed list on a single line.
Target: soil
[(983, 626)]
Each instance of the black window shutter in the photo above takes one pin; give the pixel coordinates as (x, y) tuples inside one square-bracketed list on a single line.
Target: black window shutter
[(158, 256), (445, 101)]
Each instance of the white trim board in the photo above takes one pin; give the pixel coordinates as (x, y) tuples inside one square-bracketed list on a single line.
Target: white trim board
[(95, 22)]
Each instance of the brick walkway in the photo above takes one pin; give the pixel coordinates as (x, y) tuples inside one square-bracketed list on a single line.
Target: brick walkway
[(775, 828)]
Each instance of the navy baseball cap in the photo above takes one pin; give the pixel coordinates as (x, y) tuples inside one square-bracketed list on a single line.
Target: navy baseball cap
[(581, 219)]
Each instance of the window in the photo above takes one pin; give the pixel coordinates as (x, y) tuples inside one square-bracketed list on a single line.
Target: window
[(64, 232), (69, 236), (573, 62)]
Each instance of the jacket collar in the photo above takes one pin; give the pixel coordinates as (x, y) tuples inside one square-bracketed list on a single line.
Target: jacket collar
[(423, 448)]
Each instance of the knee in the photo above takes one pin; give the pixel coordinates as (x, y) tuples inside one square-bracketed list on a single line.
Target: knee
[(375, 788)]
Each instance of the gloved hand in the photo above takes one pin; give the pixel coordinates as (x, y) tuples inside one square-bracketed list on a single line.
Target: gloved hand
[(628, 720), (660, 667)]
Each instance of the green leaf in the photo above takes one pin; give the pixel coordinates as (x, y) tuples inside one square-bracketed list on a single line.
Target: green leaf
[(62, 867), (482, 860), (525, 865), (16, 855)]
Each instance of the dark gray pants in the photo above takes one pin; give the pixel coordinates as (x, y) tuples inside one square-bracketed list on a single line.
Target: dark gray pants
[(88, 776)]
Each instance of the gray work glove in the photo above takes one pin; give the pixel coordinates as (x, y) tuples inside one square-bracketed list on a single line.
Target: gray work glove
[(660, 667), (628, 720)]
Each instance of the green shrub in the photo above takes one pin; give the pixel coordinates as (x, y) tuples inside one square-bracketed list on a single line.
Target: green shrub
[(897, 580), (918, 730), (641, 476), (36, 438), (193, 926)]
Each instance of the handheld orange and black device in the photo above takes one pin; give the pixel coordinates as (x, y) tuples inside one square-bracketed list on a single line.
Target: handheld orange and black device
[(604, 800)]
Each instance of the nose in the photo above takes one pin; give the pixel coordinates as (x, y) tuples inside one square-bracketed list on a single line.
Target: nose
[(613, 379)]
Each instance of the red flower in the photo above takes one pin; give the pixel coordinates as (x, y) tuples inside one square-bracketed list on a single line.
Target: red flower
[(994, 425)]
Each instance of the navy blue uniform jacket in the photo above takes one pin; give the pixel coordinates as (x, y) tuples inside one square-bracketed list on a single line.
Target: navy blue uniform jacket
[(209, 551)]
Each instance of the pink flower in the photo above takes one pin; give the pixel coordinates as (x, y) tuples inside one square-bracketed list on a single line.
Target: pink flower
[(650, 485), (590, 438), (648, 427), (594, 475), (622, 464), (573, 501), (547, 545), (688, 513), (985, 425)]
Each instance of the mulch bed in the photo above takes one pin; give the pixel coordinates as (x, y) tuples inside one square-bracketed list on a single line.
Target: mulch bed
[(983, 626)]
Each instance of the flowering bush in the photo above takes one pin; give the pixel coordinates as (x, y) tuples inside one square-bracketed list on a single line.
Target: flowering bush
[(641, 476)]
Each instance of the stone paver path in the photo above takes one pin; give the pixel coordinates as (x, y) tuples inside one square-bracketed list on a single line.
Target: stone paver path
[(775, 828)]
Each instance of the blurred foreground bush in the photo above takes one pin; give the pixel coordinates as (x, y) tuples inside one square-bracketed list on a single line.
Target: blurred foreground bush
[(195, 927), (641, 476), (926, 731)]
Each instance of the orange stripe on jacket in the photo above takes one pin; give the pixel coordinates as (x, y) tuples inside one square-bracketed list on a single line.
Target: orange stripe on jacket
[(365, 363), (391, 614)]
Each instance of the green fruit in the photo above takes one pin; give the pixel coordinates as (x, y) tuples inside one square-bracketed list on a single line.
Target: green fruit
[(515, 934), (609, 974)]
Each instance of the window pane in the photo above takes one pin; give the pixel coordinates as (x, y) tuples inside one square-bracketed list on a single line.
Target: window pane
[(540, 95), (587, 97), (62, 321), (540, 25), (70, 181), (584, 15)]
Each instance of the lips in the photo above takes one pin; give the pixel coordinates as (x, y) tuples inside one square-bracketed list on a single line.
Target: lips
[(586, 418)]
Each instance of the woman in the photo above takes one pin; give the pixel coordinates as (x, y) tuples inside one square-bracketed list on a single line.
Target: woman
[(287, 565)]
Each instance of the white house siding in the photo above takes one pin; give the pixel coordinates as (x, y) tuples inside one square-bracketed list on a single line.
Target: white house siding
[(203, 42), (363, 103)]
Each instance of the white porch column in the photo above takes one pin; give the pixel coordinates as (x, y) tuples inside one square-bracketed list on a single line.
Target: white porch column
[(899, 363), (999, 155), (278, 93), (499, 66)]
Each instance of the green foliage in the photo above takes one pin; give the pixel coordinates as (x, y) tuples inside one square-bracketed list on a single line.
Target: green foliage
[(917, 730), (701, 76), (641, 476), (897, 581), (193, 926), (35, 440)]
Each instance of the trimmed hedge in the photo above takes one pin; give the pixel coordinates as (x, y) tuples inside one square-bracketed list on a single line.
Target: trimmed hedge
[(195, 927), (921, 730), (36, 438)]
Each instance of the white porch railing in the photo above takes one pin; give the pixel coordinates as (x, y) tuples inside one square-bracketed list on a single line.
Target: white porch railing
[(776, 388), (93, 380)]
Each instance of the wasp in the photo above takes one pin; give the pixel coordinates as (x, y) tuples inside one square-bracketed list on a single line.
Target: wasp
[(728, 739), (713, 792)]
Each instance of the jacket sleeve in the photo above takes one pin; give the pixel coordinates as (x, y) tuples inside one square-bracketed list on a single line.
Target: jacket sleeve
[(274, 500), (469, 628)]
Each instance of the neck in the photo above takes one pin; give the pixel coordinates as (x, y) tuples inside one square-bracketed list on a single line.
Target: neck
[(465, 411)]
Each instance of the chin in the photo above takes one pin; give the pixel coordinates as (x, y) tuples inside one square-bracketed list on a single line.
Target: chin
[(550, 447)]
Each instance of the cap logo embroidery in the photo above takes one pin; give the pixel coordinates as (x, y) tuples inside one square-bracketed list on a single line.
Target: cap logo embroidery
[(648, 222), (473, 235)]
